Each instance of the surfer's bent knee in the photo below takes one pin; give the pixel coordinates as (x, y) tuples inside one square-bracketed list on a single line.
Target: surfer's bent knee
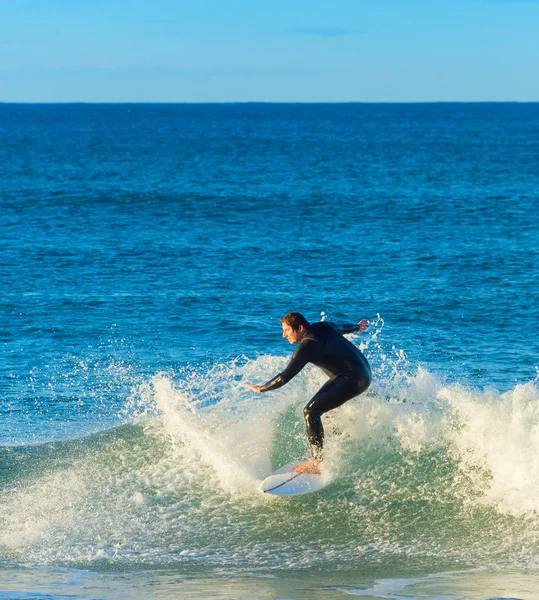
[(309, 410)]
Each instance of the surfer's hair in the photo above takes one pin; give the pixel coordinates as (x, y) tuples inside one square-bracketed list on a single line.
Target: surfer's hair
[(295, 319)]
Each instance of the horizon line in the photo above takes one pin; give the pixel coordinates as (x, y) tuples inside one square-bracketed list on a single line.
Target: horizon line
[(279, 102)]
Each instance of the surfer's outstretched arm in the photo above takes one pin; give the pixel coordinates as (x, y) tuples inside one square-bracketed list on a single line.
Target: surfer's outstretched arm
[(299, 360)]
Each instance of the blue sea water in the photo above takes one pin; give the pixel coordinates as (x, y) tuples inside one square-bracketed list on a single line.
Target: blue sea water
[(146, 255)]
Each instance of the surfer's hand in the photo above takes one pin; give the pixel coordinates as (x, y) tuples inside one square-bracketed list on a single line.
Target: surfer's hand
[(363, 325), (254, 388)]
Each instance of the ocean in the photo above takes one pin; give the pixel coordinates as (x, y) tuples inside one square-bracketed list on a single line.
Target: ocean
[(147, 253)]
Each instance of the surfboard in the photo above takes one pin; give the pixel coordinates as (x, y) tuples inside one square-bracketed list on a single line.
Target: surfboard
[(286, 482)]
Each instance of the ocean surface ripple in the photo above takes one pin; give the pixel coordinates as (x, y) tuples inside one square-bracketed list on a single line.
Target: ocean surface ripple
[(146, 254)]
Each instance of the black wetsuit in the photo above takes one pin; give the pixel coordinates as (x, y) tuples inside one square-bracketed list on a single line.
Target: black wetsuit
[(324, 345)]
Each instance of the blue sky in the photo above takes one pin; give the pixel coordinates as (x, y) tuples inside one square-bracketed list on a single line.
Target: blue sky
[(277, 51)]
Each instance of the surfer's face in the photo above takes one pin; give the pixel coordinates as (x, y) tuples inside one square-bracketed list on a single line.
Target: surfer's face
[(292, 335)]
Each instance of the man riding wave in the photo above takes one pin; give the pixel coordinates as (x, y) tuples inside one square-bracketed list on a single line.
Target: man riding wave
[(324, 345)]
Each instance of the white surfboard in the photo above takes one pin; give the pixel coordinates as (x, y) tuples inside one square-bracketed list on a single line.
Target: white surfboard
[(286, 482)]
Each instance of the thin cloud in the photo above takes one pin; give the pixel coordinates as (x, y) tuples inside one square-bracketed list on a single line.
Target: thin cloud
[(322, 32)]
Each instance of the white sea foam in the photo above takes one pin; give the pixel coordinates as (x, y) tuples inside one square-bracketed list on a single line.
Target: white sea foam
[(491, 435), (499, 433), (186, 488)]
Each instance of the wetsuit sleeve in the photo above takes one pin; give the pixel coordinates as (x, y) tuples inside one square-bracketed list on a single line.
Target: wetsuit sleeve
[(299, 359), (346, 327)]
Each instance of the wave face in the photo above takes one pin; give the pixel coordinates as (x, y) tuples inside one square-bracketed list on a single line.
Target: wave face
[(423, 471)]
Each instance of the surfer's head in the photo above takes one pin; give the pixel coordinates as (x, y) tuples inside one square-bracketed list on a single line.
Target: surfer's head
[(294, 326)]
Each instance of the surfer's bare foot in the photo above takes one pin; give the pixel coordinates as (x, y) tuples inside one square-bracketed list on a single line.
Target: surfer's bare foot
[(311, 467)]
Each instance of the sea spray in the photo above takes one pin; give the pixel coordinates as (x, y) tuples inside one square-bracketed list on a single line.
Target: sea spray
[(423, 469)]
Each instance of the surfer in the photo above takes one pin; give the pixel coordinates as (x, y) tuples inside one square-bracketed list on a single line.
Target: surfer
[(324, 345)]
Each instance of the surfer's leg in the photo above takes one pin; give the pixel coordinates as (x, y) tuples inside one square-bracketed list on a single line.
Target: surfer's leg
[(331, 395)]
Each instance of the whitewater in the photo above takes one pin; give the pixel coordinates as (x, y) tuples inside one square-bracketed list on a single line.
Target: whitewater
[(423, 471)]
